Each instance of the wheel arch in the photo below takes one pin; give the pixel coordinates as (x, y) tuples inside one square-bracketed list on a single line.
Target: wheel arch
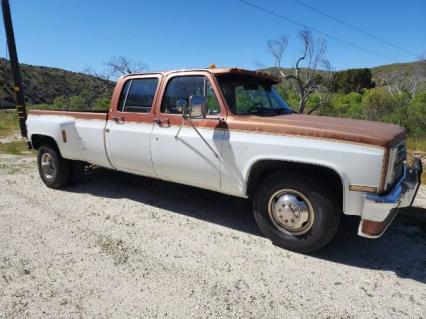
[(261, 168), (38, 140)]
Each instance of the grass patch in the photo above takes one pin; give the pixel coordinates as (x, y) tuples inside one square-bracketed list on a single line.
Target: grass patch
[(8, 123), (416, 144), (15, 148)]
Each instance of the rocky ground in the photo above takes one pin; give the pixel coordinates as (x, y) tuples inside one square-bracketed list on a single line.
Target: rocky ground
[(117, 245)]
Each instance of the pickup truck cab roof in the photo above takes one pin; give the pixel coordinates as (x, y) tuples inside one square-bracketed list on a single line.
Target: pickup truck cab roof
[(217, 71)]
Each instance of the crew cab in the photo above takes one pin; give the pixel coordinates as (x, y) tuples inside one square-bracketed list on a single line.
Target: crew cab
[(228, 130)]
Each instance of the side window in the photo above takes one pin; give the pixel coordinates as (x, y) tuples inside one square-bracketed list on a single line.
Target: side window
[(123, 95), (180, 88), (138, 95)]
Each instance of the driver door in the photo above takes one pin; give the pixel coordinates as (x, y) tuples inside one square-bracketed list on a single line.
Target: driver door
[(179, 154)]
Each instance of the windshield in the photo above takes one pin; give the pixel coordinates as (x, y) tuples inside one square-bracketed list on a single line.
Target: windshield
[(252, 95)]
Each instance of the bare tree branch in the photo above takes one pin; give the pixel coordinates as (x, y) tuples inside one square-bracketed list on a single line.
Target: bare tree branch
[(261, 66), (404, 81), (99, 75), (305, 77), (277, 48), (120, 65), (115, 67)]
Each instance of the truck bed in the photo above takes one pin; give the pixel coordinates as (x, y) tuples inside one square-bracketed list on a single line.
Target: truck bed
[(79, 135)]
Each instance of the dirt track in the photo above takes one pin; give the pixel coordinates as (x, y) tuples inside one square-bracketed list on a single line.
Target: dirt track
[(116, 245)]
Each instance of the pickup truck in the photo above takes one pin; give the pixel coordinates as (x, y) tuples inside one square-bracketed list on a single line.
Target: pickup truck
[(228, 130)]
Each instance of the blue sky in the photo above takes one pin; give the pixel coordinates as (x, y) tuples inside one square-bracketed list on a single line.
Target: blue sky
[(166, 34)]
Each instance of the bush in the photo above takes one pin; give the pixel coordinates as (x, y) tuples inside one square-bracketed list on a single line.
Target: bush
[(413, 116), (102, 104), (377, 104), (352, 80)]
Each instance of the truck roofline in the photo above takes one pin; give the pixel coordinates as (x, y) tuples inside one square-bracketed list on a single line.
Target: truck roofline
[(214, 71)]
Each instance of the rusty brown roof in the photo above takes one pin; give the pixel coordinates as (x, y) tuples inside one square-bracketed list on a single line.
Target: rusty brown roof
[(220, 71)]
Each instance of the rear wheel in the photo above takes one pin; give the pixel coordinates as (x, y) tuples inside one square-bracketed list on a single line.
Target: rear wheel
[(296, 212), (54, 170)]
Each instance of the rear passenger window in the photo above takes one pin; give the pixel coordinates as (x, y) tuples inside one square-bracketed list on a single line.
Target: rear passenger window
[(138, 95)]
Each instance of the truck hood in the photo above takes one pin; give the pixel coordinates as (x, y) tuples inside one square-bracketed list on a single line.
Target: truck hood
[(355, 131)]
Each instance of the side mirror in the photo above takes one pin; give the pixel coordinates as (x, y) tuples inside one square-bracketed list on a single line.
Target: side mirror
[(197, 108)]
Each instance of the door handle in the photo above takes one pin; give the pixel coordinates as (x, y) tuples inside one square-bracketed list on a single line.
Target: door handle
[(118, 120), (162, 122)]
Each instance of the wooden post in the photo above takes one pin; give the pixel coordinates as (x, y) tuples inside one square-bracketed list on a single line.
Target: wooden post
[(16, 70)]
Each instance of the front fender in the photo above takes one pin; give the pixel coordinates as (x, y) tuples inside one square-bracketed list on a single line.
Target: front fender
[(356, 164)]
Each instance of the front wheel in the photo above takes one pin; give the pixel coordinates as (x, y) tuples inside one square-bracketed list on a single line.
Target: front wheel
[(296, 212), (54, 170)]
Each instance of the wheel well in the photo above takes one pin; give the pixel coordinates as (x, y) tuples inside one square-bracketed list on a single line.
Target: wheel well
[(39, 140), (262, 168)]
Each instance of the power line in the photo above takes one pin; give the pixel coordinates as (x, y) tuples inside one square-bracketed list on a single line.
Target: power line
[(354, 27), (316, 30)]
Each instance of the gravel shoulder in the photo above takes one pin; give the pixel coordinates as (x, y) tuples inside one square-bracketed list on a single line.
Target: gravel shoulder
[(117, 245)]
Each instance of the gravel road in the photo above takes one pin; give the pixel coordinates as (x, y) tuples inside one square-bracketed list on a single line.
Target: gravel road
[(120, 246)]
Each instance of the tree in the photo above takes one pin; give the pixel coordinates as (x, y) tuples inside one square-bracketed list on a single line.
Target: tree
[(120, 65), (305, 76), (351, 80), (116, 67), (400, 80)]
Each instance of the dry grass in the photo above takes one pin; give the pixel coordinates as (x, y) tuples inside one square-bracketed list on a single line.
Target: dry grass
[(15, 148), (416, 144), (8, 123)]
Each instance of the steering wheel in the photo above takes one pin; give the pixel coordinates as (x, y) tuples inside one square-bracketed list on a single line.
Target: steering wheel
[(255, 106)]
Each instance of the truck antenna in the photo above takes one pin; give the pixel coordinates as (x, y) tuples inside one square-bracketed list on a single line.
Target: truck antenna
[(16, 71)]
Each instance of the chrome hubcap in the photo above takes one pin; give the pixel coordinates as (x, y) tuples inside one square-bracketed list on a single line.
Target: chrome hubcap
[(47, 166), (291, 212)]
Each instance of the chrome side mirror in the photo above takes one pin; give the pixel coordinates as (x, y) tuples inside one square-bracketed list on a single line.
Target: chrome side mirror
[(197, 108)]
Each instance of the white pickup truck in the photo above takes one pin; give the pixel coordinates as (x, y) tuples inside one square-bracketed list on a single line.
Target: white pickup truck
[(227, 130)]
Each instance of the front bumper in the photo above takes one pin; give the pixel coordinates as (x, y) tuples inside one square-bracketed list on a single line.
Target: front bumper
[(384, 208)]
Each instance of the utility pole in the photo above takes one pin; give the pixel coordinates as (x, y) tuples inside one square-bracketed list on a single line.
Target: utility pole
[(16, 70)]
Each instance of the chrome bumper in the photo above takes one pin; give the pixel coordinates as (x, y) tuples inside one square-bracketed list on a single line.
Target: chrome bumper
[(384, 208)]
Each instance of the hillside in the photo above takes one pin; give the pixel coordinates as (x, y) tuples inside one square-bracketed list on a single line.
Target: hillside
[(412, 70), (43, 84), (409, 69)]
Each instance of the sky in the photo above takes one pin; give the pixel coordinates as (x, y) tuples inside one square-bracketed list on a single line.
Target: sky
[(166, 34)]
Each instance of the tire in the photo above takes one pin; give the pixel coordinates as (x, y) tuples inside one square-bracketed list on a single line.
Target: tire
[(54, 170), (315, 211)]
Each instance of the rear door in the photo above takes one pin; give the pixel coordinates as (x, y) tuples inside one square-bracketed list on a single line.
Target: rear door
[(129, 126)]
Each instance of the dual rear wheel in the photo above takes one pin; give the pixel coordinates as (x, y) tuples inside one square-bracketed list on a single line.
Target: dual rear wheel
[(55, 171)]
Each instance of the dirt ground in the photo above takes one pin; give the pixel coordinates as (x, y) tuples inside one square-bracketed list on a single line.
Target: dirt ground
[(120, 246)]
